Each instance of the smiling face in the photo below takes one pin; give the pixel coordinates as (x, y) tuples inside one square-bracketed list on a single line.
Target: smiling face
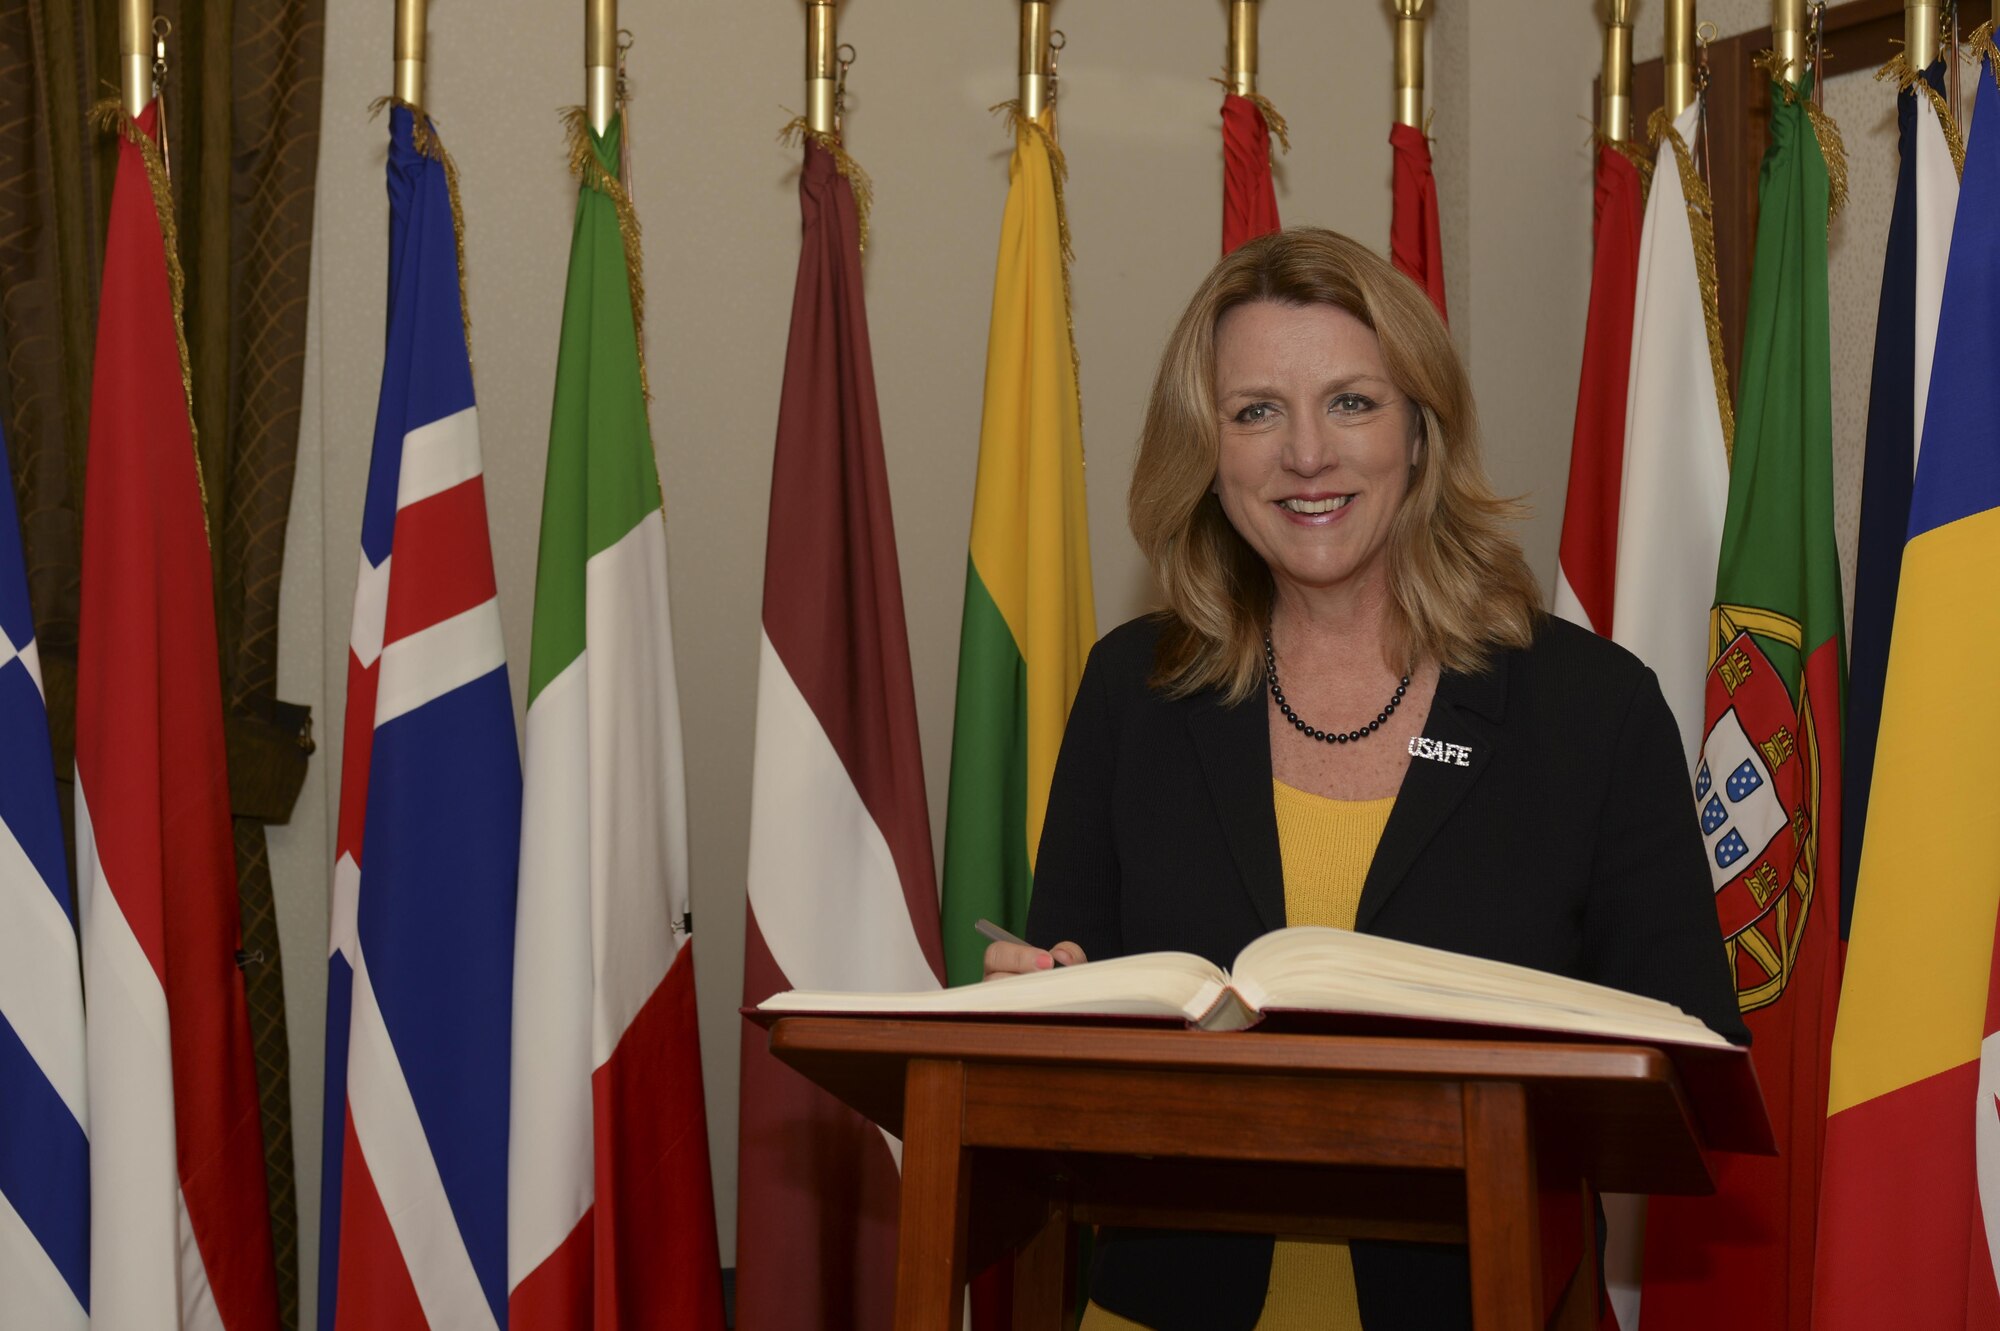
[(1316, 443)]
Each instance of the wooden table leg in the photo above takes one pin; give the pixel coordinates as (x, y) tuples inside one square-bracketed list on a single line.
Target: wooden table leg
[(1500, 1209), (1038, 1274), (937, 1169)]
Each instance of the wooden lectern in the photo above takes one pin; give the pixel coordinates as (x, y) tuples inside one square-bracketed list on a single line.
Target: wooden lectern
[(1432, 1140)]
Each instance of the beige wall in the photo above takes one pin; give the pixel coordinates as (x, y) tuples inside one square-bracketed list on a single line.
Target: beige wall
[(713, 83)]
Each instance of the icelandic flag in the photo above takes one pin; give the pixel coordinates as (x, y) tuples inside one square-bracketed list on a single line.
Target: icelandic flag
[(413, 1224), (44, 1156)]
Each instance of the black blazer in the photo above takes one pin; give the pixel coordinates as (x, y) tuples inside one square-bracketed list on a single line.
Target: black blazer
[(1567, 842)]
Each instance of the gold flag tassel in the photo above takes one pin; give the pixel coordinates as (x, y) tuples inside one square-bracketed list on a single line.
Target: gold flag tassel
[(590, 173), (799, 130), (1980, 39), (108, 117), (1632, 153), (1017, 121), (1701, 223), (1908, 76), (1824, 130), (1273, 122), (423, 137)]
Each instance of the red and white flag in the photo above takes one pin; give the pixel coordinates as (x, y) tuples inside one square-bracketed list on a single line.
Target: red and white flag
[(180, 1229), (843, 892)]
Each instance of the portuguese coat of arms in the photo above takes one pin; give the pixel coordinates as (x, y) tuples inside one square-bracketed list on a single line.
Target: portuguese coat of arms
[(1756, 791)]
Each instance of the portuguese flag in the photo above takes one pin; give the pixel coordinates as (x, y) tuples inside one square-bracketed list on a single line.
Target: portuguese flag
[(1029, 621), (1767, 785)]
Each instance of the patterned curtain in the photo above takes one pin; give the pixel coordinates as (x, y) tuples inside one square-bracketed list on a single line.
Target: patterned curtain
[(243, 105)]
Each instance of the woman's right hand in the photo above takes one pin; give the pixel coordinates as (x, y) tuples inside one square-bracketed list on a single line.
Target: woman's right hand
[(1020, 959)]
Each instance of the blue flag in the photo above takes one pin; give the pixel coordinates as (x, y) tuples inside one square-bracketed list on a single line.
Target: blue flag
[(44, 1157), (413, 1225)]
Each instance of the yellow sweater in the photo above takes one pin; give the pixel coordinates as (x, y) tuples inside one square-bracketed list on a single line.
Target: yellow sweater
[(1326, 847)]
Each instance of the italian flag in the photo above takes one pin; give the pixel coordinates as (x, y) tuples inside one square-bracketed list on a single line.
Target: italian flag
[(1029, 621), (611, 1220)]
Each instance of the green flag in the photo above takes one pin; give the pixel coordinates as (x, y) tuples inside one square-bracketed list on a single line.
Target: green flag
[(1767, 786)]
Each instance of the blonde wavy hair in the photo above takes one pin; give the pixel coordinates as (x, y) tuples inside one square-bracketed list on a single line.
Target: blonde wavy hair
[(1460, 588)]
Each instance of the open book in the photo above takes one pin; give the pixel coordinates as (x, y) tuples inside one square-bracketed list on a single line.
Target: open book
[(1300, 969)]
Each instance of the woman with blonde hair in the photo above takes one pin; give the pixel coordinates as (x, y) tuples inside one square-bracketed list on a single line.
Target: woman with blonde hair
[(1353, 712)]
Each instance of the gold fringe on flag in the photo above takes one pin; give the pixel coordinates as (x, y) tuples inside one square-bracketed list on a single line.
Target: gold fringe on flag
[(800, 130), (108, 117), (1907, 76), (1980, 39), (1632, 153), (423, 137), (1831, 150), (1701, 223), (590, 174), (1017, 122), (1273, 122)]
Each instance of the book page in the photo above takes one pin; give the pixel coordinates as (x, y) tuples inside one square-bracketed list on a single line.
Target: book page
[(1171, 984), (1337, 970)]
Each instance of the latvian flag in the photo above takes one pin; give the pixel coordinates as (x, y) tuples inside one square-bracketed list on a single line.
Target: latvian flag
[(180, 1228), (44, 1158), (413, 1225), (842, 890)]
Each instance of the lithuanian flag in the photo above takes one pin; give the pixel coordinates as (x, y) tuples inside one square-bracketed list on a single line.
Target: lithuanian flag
[(1029, 621)]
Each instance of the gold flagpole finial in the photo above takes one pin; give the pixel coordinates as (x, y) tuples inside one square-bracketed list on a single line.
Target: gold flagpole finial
[(135, 54), (1243, 47), (1037, 58), (1677, 55), (822, 65), (1788, 39), (1921, 25), (412, 28), (1410, 63), (1614, 110), (600, 62)]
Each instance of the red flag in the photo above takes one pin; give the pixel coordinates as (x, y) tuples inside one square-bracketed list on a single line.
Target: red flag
[(1588, 560), (178, 1212), (1249, 203), (843, 893), (1414, 246)]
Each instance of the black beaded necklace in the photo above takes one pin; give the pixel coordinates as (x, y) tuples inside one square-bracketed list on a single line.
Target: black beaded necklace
[(1278, 696)]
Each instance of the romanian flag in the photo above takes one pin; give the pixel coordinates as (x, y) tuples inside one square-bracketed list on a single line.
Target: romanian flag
[(1029, 621), (611, 1217), (843, 893), (1249, 200), (1767, 782), (180, 1230), (1908, 1210)]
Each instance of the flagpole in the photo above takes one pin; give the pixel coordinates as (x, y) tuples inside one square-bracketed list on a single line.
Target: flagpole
[(1037, 57), (1677, 55), (412, 23), (1920, 32), (1410, 63), (1614, 113), (822, 65), (1788, 38), (1243, 47), (135, 57), (600, 62)]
